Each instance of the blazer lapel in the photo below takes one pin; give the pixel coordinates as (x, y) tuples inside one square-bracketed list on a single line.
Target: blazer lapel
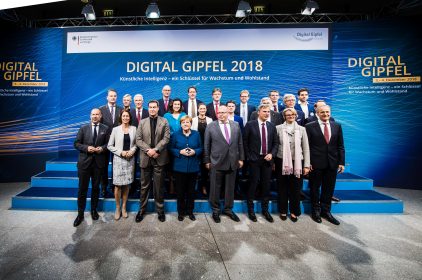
[(89, 134)]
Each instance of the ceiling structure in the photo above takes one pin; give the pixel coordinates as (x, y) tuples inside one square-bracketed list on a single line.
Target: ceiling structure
[(132, 12)]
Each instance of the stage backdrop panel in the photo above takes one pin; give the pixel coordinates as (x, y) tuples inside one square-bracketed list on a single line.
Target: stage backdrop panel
[(30, 86)]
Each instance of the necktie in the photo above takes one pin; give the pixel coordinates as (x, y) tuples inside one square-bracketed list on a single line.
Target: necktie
[(166, 103), (275, 108), (226, 131), (112, 113), (326, 133), (138, 116), (243, 114), (193, 109), (216, 109), (263, 140), (95, 134)]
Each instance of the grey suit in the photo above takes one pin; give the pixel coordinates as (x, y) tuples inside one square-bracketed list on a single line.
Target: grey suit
[(152, 167), (224, 159)]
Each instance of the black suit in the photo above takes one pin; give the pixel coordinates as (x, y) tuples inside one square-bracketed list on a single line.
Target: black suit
[(325, 159), (211, 111), (276, 118), (260, 169), (90, 165), (162, 108), (134, 115)]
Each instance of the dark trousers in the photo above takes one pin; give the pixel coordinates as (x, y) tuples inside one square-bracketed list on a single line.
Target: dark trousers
[(289, 188), (204, 181), (326, 179), (152, 172), (185, 189), (259, 172), (104, 175), (94, 174), (216, 181)]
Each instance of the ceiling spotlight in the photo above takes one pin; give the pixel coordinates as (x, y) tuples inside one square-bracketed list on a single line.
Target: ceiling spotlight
[(88, 12), (243, 9), (309, 7), (152, 10)]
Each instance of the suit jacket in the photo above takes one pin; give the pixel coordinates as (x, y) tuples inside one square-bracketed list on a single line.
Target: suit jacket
[(276, 118), (314, 118), (325, 155), (162, 138), (310, 109), (252, 140), (239, 120), (211, 112), (221, 155), (251, 109), (280, 108), (186, 106), (133, 113), (115, 143), (300, 119), (161, 108), (84, 139), (107, 119), (303, 141)]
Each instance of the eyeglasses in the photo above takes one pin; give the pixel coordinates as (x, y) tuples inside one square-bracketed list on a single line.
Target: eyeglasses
[(289, 115)]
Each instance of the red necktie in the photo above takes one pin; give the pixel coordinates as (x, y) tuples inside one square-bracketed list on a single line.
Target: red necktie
[(275, 108), (326, 133), (166, 103), (263, 140), (216, 109), (139, 115)]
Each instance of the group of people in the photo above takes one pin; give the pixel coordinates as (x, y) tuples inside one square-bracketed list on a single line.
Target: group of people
[(183, 139)]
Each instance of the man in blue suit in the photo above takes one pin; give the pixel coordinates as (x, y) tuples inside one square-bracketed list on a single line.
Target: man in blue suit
[(303, 104), (164, 102), (244, 110), (191, 105)]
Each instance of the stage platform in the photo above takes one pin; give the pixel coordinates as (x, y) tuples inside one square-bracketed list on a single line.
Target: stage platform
[(56, 189)]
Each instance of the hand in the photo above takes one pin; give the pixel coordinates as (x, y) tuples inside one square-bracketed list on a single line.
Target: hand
[(191, 152), (340, 169), (183, 152), (151, 152), (305, 171), (91, 149), (310, 168), (268, 157), (208, 165), (240, 163), (98, 150), (156, 155)]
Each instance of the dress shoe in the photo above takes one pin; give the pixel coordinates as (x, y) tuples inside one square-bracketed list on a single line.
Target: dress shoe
[(192, 217), (268, 216), (216, 217), (293, 219), (283, 217), (161, 217), (139, 217), (79, 219), (335, 199), (252, 216), (180, 217), (330, 218), (316, 217), (94, 215), (232, 216)]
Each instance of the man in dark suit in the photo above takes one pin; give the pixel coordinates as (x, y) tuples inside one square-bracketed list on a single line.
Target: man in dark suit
[(191, 105), (260, 143), (110, 117), (303, 104), (327, 158), (274, 96), (213, 107), (315, 116), (244, 110), (289, 101), (274, 118), (164, 102), (152, 137), (223, 155), (138, 113), (91, 142)]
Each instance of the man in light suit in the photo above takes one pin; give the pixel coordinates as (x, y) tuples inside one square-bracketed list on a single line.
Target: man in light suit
[(110, 117), (164, 102), (152, 137), (274, 118), (223, 155), (244, 110), (91, 142), (261, 143), (327, 158), (191, 105)]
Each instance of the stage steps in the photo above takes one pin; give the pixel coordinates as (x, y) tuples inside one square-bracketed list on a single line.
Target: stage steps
[(56, 189)]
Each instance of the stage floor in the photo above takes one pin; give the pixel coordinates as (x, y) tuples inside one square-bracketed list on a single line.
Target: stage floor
[(45, 245)]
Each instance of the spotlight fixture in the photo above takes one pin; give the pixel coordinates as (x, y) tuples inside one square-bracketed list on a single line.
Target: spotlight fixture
[(309, 7), (152, 10), (243, 9), (88, 12)]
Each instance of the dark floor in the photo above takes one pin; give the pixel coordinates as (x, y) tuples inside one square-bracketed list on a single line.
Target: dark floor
[(45, 245)]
